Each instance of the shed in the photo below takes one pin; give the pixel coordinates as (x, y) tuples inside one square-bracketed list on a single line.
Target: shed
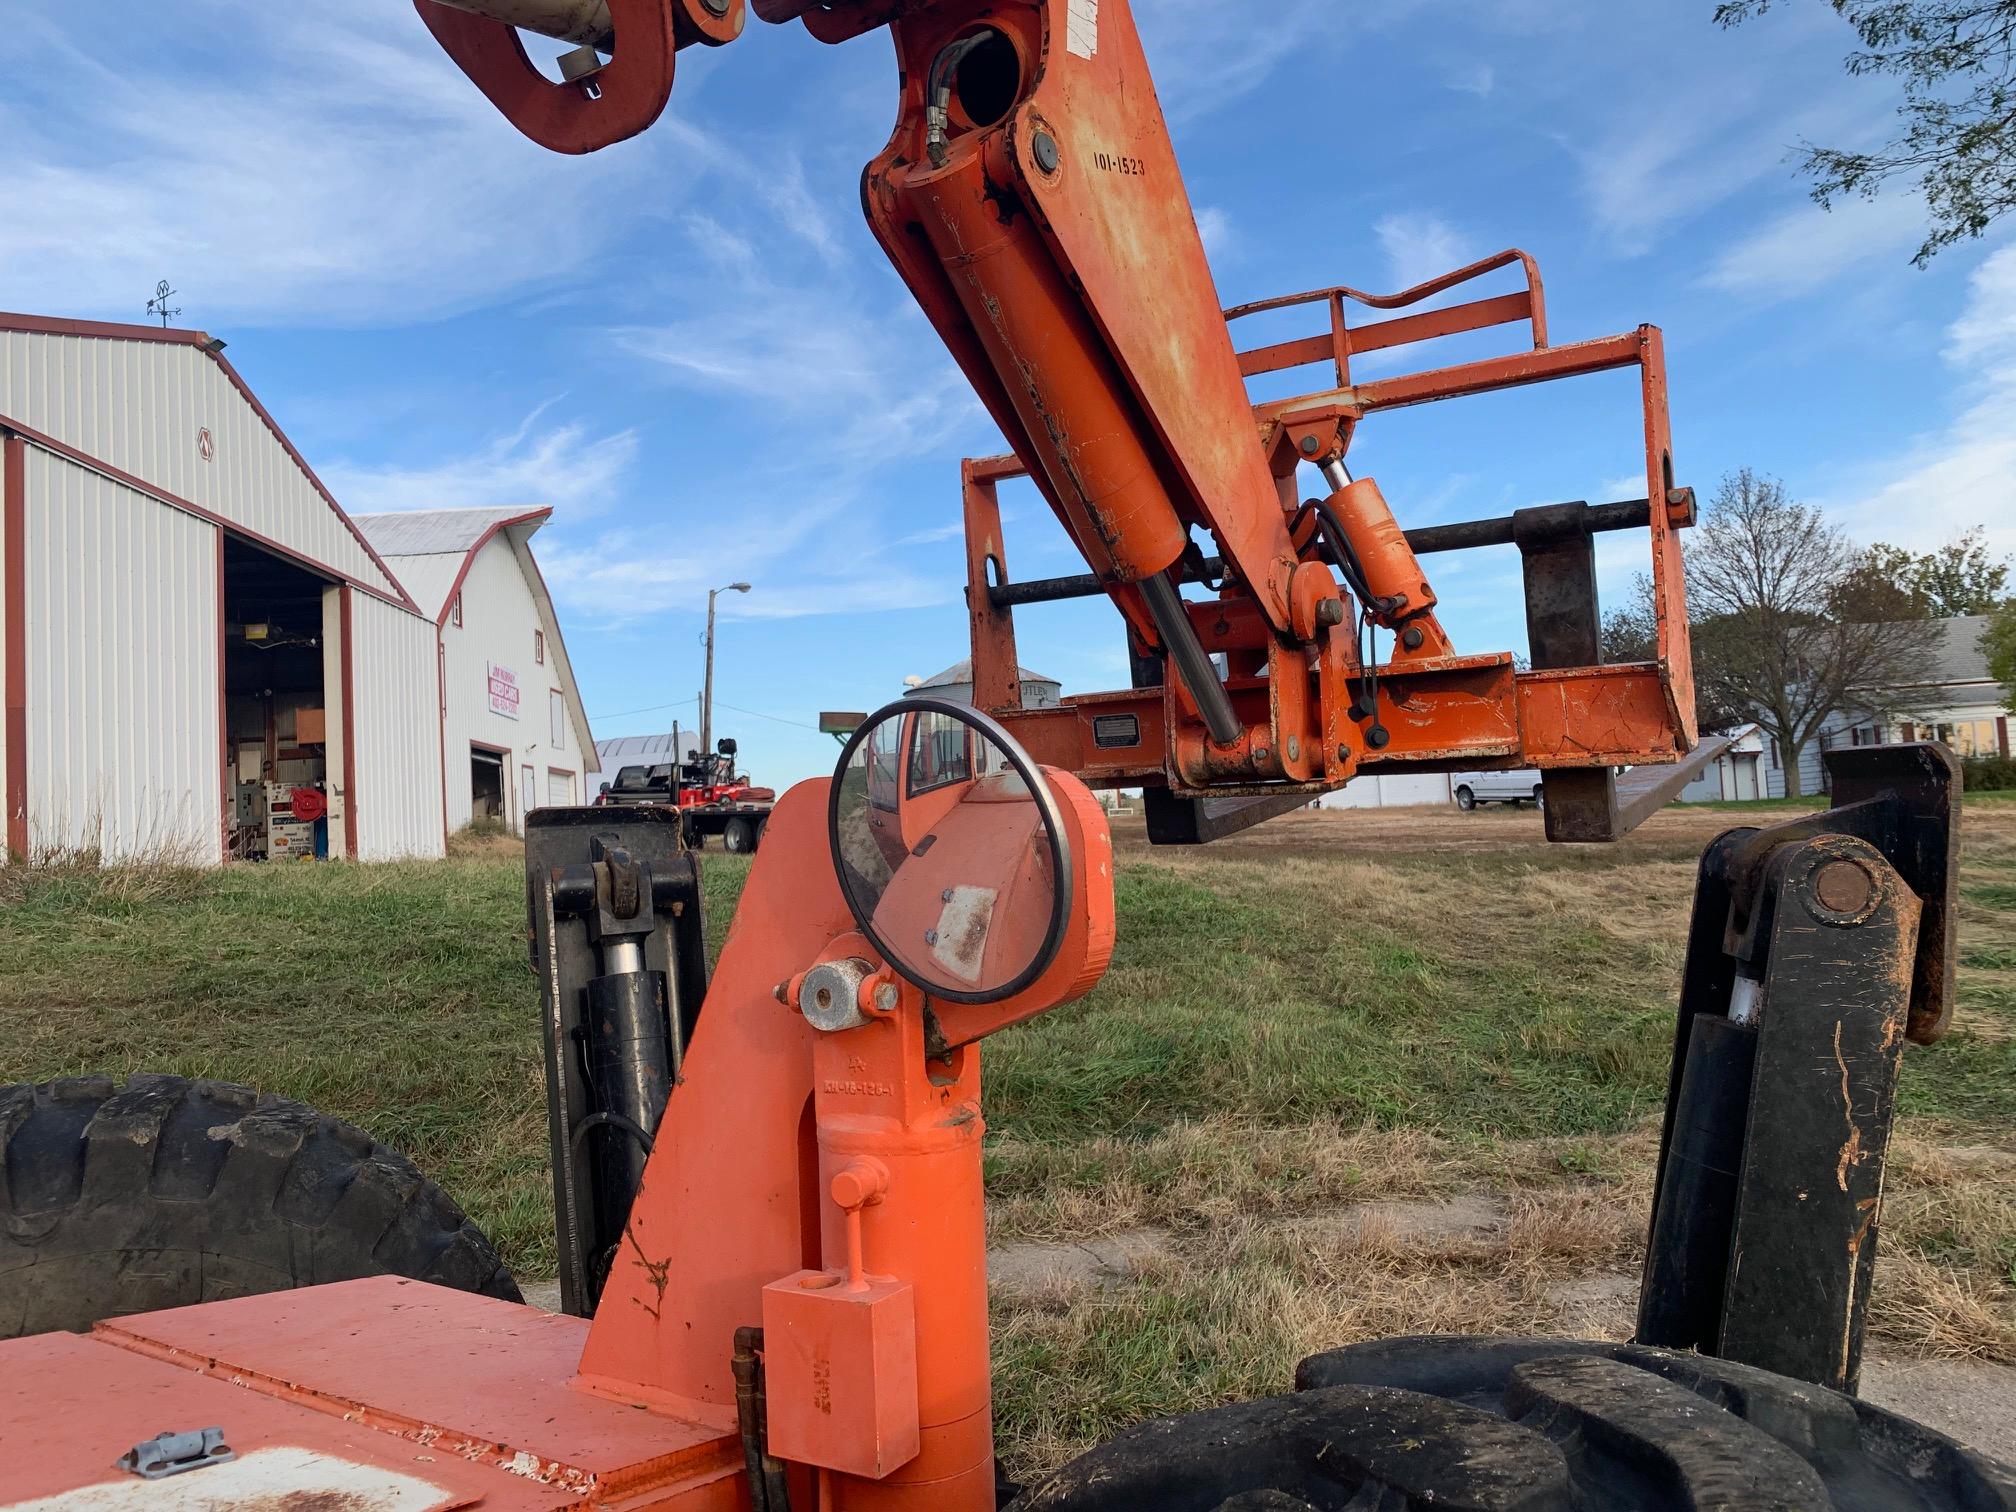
[(192, 627), (956, 683), (515, 734)]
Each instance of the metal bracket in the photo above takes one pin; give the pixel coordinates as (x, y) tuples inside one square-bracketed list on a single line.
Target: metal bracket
[(172, 1453)]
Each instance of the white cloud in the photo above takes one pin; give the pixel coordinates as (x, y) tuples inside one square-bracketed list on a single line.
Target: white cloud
[(1807, 247), (1959, 477), (1419, 247), (563, 464), (1215, 227), (880, 382), (1477, 79), (337, 169)]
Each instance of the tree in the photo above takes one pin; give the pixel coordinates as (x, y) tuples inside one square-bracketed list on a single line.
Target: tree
[(1998, 644), (1765, 576), (1957, 62), (1630, 634), (1881, 584), (1961, 577), (1890, 583)]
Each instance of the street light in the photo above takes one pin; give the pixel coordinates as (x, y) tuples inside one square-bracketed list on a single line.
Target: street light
[(707, 697)]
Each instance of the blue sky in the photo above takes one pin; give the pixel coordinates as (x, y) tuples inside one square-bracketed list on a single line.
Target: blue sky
[(693, 349)]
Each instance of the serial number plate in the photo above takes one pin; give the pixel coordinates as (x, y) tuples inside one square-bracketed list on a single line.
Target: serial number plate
[(1115, 731)]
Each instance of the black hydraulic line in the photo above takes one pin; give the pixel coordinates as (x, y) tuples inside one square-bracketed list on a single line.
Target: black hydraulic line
[(1193, 662), (1625, 514)]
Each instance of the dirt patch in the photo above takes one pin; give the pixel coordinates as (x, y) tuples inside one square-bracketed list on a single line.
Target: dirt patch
[(1971, 1401), (1039, 1266), (1471, 1217), (1603, 1305)]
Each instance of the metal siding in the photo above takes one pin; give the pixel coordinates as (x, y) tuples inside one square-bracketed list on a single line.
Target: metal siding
[(397, 732), (138, 406), (123, 641)]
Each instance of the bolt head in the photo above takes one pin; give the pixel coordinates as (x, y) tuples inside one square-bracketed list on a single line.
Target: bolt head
[(1412, 637), (930, 937), (1343, 753), (886, 997), (1329, 611), (1378, 737), (1261, 753), (1310, 446), (1294, 749), (1044, 146)]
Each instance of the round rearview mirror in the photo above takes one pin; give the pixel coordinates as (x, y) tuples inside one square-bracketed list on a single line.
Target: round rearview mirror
[(951, 850)]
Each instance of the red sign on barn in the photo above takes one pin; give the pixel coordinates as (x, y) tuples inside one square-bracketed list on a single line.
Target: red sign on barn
[(503, 690)]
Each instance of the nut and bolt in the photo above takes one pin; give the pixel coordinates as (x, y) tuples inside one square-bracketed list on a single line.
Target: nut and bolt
[(1261, 753), (1377, 737), (1329, 611), (1294, 749), (1844, 886), (1310, 446), (1412, 637), (886, 998), (930, 937), (1343, 753), (1047, 156)]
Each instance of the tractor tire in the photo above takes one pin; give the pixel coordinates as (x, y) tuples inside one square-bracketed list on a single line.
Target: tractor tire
[(738, 837), (1465, 799), (167, 1191), (1530, 1425)]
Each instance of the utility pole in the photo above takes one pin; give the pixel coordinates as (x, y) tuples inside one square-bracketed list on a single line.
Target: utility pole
[(707, 695)]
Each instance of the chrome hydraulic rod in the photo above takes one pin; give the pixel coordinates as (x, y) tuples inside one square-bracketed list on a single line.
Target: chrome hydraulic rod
[(1193, 662)]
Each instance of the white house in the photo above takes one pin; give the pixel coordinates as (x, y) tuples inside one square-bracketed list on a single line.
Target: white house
[(1739, 773), (189, 623), (514, 734)]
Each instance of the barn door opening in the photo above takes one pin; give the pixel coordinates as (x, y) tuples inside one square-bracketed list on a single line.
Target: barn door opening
[(486, 787), (277, 717)]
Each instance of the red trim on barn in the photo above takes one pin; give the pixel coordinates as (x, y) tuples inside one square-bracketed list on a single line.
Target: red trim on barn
[(14, 554), (47, 325), (227, 756), (47, 443), (469, 556), (349, 725), (441, 723)]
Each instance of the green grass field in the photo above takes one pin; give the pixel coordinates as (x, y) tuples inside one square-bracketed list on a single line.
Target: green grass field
[(1333, 1008)]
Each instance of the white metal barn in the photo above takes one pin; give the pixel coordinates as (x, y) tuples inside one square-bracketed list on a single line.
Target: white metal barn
[(188, 621), (515, 734)]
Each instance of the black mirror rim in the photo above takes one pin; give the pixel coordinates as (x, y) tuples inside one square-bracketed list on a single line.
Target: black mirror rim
[(1046, 803)]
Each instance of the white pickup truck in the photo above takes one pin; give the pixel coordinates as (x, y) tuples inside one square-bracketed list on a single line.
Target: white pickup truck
[(1520, 785)]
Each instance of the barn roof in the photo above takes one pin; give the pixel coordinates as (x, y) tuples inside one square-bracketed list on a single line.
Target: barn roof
[(97, 392), (431, 549)]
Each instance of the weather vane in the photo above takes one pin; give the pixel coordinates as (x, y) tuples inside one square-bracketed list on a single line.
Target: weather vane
[(158, 305)]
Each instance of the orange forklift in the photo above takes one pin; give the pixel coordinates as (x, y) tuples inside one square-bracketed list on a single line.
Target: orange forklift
[(768, 1180)]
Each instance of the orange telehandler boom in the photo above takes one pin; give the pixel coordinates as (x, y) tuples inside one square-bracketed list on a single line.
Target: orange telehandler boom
[(1030, 198)]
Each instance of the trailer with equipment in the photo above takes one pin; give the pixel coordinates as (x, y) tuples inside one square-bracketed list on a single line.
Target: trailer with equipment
[(768, 1183)]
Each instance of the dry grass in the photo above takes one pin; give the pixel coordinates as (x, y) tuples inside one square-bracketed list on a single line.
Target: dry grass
[(1309, 1252)]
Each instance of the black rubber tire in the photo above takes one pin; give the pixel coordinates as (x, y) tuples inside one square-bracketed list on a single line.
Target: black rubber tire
[(167, 1191), (738, 837), (1531, 1425), (1539, 796), (1465, 799)]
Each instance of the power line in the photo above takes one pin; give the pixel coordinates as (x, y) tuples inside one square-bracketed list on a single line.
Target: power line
[(682, 703), (758, 714), (654, 709)]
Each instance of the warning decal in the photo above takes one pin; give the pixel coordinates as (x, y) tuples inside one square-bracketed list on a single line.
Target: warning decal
[(1081, 29)]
